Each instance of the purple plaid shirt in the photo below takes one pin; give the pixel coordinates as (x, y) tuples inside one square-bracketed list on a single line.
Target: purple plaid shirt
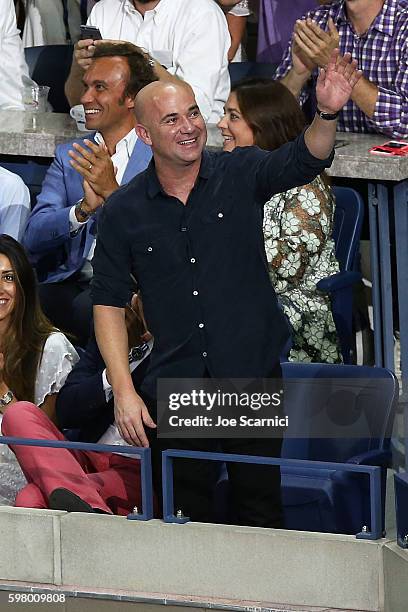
[(382, 55)]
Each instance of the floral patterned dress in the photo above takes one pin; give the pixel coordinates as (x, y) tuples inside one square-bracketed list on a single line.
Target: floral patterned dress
[(300, 252)]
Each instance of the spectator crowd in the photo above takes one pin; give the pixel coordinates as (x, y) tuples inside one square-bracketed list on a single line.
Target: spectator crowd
[(148, 256)]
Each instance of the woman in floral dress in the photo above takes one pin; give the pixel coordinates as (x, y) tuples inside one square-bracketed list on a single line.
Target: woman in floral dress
[(297, 224)]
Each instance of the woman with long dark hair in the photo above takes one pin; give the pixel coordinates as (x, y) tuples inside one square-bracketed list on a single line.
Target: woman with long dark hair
[(35, 358), (297, 224)]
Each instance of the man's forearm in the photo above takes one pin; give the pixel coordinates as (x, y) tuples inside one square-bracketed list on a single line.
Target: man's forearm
[(295, 82), (73, 85), (365, 95), (112, 339), (320, 137)]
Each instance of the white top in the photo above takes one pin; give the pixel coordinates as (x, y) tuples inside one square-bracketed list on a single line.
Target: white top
[(240, 10), (189, 37), (14, 204), (58, 359), (13, 67), (120, 159)]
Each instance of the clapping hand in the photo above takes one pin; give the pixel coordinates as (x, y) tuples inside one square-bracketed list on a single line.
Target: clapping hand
[(335, 83), (315, 45), (95, 165), (302, 65)]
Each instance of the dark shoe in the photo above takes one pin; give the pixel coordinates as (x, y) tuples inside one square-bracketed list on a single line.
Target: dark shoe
[(63, 499)]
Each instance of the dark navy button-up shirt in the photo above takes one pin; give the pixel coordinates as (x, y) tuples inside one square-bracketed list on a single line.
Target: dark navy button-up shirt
[(201, 267)]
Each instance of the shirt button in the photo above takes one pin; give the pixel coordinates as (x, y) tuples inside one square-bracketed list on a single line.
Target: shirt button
[(201, 325), (220, 215), (150, 249), (195, 292), (204, 354), (183, 229), (192, 260)]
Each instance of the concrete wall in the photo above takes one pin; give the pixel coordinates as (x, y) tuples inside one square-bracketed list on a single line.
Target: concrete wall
[(217, 562)]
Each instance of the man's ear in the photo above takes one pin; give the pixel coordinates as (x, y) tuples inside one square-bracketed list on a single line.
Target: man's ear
[(130, 102), (143, 134)]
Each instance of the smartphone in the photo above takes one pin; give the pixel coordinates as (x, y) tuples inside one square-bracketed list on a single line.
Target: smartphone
[(392, 147), (90, 32)]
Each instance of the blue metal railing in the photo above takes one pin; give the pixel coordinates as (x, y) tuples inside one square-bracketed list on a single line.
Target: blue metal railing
[(374, 473), (144, 454)]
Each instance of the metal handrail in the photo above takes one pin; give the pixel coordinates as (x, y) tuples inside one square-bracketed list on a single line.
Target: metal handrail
[(374, 473), (144, 454)]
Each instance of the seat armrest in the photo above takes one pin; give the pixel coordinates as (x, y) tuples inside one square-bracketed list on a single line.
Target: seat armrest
[(338, 281), (382, 458)]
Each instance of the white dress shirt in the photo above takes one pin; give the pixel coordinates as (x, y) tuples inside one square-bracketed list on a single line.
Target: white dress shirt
[(13, 68), (120, 159), (14, 204), (189, 37)]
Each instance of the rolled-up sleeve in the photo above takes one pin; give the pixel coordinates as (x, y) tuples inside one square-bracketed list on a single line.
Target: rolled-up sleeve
[(391, 109), (112, 283)]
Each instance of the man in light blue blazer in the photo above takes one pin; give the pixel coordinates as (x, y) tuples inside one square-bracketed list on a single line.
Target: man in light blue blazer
[(62, 228)]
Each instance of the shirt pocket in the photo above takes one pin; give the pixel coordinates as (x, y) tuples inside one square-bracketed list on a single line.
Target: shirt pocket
[(163, 57), (155, 259), (221, 214)]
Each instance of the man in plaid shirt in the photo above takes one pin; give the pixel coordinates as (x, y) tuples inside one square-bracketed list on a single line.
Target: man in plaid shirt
[(375, 32)]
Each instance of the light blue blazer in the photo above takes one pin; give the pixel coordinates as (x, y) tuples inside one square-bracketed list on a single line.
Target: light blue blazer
[(53, 251)]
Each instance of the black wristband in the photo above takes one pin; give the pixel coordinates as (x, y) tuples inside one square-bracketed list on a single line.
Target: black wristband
[(326, 116)]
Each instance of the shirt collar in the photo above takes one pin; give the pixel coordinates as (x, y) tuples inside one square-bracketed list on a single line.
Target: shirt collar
[(127, 141), (384, 21), (160, 11), (337, 11), (153, 184)]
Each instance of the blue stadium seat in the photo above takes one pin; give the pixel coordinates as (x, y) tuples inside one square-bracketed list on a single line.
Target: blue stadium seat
[(336, 413), (348, 221), (341, 413), (242, 70), (50, 65), (31, 170)]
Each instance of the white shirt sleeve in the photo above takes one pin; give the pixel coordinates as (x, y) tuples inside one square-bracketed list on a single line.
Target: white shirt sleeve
[(241, 9), (13, 68), (74, 224), (14, 204), (106, 386), (58, 359)]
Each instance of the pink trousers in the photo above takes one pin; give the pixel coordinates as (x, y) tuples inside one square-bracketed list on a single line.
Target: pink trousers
[(106, 481)]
